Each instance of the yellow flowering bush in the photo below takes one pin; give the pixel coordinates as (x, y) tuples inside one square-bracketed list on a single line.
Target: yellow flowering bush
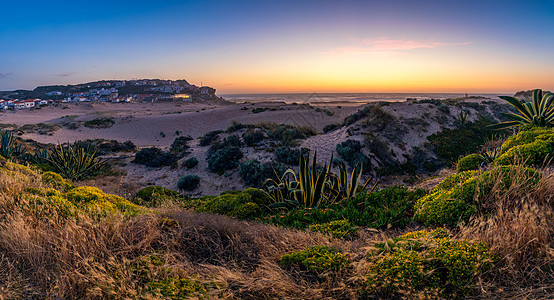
[(532, 146), (317, 259), (426, 263), (469, 162), (57, 181)]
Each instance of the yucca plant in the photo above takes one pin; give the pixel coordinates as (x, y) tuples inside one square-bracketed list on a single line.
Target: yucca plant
[(539, 111), (76, 162), (40, 156), (8, 146), (490, 154)]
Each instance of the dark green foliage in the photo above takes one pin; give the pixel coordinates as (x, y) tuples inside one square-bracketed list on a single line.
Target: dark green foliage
[(235, 126), (152, 196), (428, 262), (154, 157), (353, 118), (331, 127), (191, 162), (224, 159), (254, 173), (100, 123), (451, 144), (209, 137), (75, 162), (9, 148), (351, 151), (253, 137), (105, 147), (289, 156), (179, 145), (316, 259), (188, 182), (470, 162), (348, 149), (288, 134), (391, 206)]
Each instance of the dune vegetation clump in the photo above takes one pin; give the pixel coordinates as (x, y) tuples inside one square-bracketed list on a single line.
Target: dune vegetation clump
[(427, 263), (317, 259), (469, 162)]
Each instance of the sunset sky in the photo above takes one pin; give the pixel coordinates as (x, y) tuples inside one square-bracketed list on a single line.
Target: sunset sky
[(283, 46)]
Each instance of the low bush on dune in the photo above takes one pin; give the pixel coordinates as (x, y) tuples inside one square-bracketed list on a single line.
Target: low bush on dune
[(209, 137), (188, 182), (331, 127), (180, 146), (426, 263), (451, 144), (190, 162), (154, 157), (253, 137), (100, 123), (224, 159), (105, 147), (255, 173), (289, 156)]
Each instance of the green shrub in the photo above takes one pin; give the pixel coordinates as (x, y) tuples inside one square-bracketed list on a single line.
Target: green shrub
[(454, 180), (253, 137), (254, 173), (179, 145), (289, 156), (338, 229), (348, 149), (152, 196), (154, 157), (100, 123), (288, 134), (105, 147), (389, 207), (470, 162), (209, 137), (224, 159), (426, 264), (191, 162), (239, 205), (451, 144), (317, 259), (188, 182), (330, 127)]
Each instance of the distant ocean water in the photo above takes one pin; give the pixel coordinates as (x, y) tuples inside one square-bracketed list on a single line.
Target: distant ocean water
[(348, 97)]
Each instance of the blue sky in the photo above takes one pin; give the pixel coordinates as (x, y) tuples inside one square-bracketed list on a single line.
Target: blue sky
[(283, 46)]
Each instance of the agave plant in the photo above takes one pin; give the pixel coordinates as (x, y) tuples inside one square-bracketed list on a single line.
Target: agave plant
[(314, 186), (8, 146), (539, 111), (344, 188), (76, 162), (309, 188)]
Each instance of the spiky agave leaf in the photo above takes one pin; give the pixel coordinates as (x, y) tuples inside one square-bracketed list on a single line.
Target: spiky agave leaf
[(540, 111)]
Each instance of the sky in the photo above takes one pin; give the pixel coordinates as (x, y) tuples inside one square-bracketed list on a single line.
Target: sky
[(283, 46)]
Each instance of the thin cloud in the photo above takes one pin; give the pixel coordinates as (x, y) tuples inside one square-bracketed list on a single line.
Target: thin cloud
[(4, 75), (66, 74), (387, 46)]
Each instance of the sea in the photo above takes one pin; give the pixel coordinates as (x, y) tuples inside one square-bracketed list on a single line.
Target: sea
[(345, 97)]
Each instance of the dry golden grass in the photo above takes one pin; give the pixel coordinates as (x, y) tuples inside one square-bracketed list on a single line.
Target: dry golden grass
[(518, 225)]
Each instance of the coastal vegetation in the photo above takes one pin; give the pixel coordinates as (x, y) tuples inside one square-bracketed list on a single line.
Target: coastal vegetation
[(301, 227)]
